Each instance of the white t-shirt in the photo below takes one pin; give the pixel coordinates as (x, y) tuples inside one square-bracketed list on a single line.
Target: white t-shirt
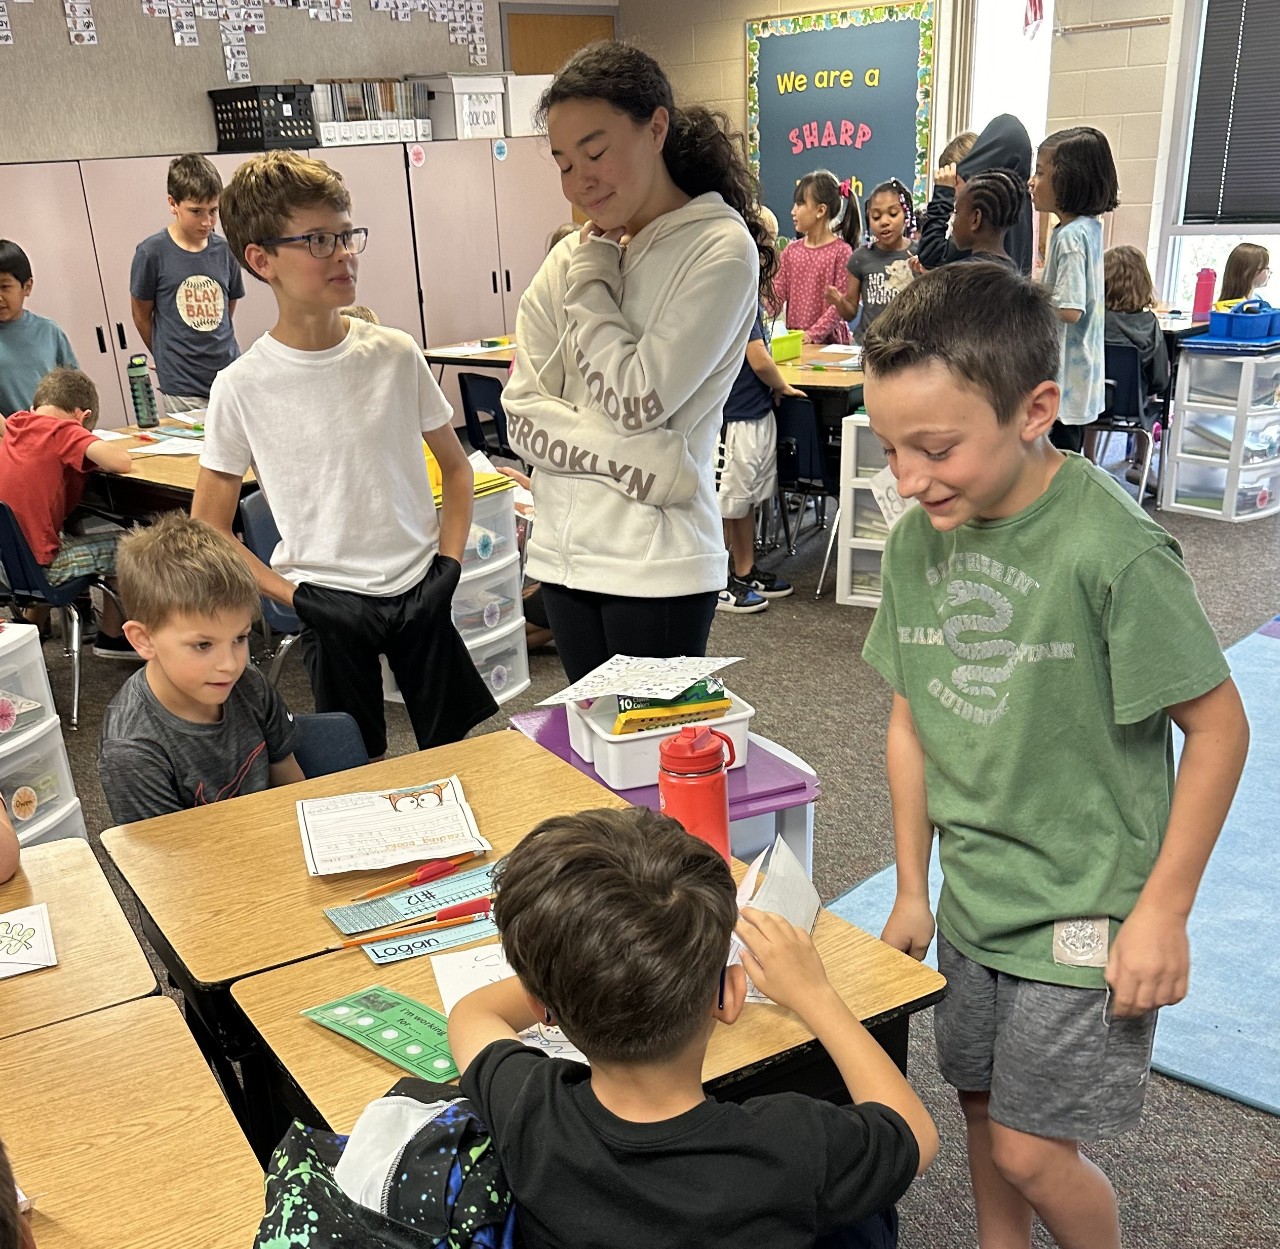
[(335, 440)]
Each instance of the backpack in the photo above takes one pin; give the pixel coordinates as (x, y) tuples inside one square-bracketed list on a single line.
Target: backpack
[(419, 1171)]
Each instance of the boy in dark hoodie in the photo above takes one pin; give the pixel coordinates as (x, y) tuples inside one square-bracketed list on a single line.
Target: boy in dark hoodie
[(1004, 144)]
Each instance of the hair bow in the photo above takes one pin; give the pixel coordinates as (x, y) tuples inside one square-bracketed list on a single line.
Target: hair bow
[(846, 188)]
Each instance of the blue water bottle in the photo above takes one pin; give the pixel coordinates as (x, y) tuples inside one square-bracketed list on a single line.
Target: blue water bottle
[(145, 413)]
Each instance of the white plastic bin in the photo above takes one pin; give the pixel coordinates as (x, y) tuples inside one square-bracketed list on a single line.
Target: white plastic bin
[(35, 778), (503, 661), (65, 821), (487, 598), (493, 531), (630, 760), (22, 673), (1217, 381), (466, 106), (520, 100)]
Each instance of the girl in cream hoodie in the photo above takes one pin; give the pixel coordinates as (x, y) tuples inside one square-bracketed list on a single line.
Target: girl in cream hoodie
[(628, 340)]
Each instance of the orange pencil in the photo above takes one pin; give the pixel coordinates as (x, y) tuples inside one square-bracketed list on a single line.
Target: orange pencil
[(387, 935), (436, 869)]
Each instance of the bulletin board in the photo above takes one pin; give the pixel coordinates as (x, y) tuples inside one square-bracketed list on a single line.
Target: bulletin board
[(849, 90)]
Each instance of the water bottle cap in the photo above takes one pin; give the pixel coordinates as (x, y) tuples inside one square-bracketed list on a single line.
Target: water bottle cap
[(694, 749)]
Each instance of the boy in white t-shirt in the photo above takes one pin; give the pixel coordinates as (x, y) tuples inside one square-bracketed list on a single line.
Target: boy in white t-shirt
[(331, 414)]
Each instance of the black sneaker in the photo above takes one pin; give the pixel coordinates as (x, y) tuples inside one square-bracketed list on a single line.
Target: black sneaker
[(768, 584), (115, 648), (739, 597)]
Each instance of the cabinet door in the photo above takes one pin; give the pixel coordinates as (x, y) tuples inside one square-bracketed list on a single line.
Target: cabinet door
[(530, 206), (387, 281), (45, 213), (127, 203), (457, 241)]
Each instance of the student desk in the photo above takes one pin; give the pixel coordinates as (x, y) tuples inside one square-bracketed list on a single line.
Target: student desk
[(158, 483), (118, 1132), (100, 962), (457, 355), (829, 388), (223, 890), (767, 1050)]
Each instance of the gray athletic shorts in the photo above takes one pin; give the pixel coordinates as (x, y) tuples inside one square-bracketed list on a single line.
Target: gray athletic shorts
[(1053, 1061)]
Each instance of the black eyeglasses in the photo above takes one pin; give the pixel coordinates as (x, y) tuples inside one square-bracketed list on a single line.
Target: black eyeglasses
[(323, 243)]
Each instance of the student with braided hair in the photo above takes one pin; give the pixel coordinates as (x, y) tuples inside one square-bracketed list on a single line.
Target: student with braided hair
[(882, 269), (987, 206)]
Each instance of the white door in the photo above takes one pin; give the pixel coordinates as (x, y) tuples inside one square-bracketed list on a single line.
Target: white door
[(530, 206), (44, 212), (388, 280)]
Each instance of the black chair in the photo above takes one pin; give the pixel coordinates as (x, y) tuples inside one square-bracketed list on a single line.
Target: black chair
[(808, 465), (30, 587), (262, 537), (481, 405), (1126, 408), (328, 741)]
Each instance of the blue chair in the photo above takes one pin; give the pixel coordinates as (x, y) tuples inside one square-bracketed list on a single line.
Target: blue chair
[(1126, 409), (30, 587), (262, 537), (481, 400), (328, 741)]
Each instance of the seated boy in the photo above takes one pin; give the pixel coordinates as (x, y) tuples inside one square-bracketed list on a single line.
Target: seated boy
[(184, 285), (749, 473), (195, 725), (617, 924), (30, 345), (1025, 632), (331, 412), (46, 456)]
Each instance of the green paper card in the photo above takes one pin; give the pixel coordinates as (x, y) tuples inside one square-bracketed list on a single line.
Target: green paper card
[(395, 1027)]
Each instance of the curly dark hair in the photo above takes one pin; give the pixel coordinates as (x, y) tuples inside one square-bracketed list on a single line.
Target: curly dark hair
[(998, 195), (893, 187), (1085, 181), (703, 152)]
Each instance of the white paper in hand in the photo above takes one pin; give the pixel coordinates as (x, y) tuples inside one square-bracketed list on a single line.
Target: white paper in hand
[(786, 891), (884, 487)]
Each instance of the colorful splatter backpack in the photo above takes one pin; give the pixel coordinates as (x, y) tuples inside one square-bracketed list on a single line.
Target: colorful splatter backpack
[(419, 1171)]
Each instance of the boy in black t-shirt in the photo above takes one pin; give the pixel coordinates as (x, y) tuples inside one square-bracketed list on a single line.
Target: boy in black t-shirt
[(617, 924)]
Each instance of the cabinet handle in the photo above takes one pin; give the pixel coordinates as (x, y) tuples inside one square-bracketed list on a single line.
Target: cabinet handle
[(102, 340), (124, 346), (493, 273), (507, 273)]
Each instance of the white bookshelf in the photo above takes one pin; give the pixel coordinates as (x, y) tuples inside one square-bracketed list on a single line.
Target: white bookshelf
[(863, 530), (1223, 454)]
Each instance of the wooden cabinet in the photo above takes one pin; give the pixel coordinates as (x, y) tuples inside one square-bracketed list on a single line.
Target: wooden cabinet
[(45, 214)]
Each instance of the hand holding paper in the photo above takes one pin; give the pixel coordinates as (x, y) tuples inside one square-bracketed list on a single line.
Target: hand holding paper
[(781, 959)]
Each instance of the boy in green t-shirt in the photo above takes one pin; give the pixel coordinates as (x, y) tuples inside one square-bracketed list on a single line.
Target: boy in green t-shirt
[(1039, 633)]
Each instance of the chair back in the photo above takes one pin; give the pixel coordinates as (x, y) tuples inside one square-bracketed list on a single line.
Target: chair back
[(807, 457), (328, 741), (262, 537), (24, 575), (1125, 398), (481, 398)]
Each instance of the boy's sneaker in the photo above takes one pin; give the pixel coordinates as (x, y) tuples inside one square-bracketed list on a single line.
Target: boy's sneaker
[(115, 648), (768, 584), (739, 597)]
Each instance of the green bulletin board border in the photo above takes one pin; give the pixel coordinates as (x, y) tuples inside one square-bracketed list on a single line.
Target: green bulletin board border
[(835, 19)]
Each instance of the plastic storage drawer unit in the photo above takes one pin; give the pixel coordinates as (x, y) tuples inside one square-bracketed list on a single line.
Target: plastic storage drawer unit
[(487, 598)]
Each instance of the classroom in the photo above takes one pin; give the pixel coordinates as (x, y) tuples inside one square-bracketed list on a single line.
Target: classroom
[(263, 766)]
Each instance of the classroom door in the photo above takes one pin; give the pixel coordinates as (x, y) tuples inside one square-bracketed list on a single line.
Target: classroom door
[(45, 213), (379, 187), (530, 204), (539, 43)]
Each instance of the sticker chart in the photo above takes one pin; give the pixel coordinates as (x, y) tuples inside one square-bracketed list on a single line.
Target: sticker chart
[(26, 941), (411, 903), (404, 1032), (359, 832), (463, 972)]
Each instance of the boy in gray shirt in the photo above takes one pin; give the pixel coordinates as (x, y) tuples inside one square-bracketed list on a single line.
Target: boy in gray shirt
[(196, 725), (184, 285)]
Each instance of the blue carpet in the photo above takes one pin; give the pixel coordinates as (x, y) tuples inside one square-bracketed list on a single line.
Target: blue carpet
[(1225, 1035)]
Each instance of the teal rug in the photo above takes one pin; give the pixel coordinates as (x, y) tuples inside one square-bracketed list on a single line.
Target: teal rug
[(1225, 1035)]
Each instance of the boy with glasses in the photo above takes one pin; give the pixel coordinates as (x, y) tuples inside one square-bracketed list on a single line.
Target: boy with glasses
[(184, 286), (331, 413)]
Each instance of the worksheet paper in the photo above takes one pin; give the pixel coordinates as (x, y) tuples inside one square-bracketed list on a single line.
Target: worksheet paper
[(26, 940), (641, 677), (358, 832), (170, 446), (463, 971), (786, 891)]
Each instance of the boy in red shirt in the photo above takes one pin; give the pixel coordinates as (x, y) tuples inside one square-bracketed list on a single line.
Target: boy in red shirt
[(46, 456)]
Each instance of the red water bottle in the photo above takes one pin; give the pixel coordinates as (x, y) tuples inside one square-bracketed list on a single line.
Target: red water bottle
[(693, 783), (1206, 282)]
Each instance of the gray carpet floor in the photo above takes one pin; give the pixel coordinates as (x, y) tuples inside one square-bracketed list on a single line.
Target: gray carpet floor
[(1201, 1170)]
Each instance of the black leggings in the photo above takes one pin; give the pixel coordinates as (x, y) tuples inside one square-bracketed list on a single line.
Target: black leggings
[(590, 628), (1067, 437)]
